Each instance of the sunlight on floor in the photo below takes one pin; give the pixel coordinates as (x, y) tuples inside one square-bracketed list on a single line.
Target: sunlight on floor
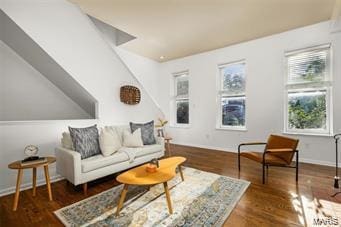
[(316, 212)]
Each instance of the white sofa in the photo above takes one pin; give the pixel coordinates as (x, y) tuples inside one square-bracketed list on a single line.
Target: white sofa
[(77, 171)]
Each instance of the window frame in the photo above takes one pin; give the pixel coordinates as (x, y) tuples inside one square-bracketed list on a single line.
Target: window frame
[(324, 85), (181, 98), (221, 94)]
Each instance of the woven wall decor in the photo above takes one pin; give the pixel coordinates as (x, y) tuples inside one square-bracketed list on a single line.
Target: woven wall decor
[(130, 95)]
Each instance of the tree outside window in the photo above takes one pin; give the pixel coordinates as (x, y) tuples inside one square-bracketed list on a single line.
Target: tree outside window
[(232, 95), (308, 90)]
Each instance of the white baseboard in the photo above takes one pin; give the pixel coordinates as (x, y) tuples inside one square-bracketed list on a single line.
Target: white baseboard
[(25, 186), (303, 160)]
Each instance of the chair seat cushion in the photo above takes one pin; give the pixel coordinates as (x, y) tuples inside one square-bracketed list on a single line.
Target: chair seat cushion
[(258, 157), (100, 161)]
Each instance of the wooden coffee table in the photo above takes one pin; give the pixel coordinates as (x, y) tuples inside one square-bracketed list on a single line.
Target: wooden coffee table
[(17, 165), (139, 176)]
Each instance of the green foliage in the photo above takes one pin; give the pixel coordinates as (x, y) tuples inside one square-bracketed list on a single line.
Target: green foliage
[(314, 70), (234, 82), (307, 112)]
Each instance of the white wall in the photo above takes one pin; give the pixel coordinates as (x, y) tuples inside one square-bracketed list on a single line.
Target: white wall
[(72, 40), (28, 95), (146, 70), (265, 66)]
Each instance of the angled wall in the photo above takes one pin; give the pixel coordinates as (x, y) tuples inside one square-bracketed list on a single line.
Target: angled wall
[(14, 37), (145, 71), (26, 95), (70, 38)]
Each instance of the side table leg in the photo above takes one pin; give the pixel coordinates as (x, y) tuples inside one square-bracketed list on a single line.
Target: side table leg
[(181, 173), (17, 191), (169, 150), (169, 202), (47, 178), (34, 180)]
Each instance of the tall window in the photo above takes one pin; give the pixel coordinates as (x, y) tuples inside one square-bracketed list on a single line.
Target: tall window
[(181, 99), (308, 105), (232, 96)]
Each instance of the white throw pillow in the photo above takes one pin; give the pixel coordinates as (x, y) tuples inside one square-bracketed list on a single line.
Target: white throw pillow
[(109, 142), (132, 139), (67, 141)]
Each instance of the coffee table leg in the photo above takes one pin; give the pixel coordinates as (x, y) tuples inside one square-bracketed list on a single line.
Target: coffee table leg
[(123, 196), (17, 191), (169, 202), (47, 177), (34, 181), (181, 173)]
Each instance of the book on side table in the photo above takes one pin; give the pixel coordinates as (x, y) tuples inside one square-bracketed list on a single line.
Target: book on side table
[(33, 160)]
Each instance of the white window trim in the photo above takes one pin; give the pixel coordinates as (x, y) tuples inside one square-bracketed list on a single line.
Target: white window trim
[(174, 99), (310, 86), (221, 94)]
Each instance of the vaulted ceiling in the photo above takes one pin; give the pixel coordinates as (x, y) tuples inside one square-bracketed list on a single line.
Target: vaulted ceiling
[(169, 29)]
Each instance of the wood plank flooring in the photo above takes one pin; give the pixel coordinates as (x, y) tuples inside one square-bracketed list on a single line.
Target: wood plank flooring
[(280, 202)]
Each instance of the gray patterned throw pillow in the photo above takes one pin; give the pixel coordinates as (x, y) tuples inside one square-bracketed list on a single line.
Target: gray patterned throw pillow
[(85, 141), (147, 131)]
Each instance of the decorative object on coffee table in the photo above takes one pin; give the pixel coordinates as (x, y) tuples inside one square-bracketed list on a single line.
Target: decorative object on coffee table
[(167, 141), (139, 176), (17, 165), (152, 165), (130, 95)]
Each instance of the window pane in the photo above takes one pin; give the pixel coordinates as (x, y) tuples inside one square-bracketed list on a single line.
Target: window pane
[(307, 110), (182, 85), (233, 111), (233, 78), (182, 112), (307, 67)]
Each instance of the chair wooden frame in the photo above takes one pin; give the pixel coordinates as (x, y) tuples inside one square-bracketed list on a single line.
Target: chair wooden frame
[(268, 151)]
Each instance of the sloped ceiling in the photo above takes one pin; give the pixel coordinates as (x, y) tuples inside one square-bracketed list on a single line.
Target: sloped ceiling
[(178, 28)]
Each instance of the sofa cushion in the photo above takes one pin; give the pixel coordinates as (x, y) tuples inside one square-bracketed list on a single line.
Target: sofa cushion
[(119, 130), (140, 151), (99, 161), (85, 141), (109, 142), (148, 149), (147, 131), (67, 141), (132, 139)]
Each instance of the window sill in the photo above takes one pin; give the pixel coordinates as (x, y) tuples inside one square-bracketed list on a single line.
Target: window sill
[(308, 134), (241, 129)]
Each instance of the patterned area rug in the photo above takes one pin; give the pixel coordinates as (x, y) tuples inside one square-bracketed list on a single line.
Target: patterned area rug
[(203, 199)]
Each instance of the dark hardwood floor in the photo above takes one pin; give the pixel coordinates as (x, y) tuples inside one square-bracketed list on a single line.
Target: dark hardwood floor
[(279, 202)]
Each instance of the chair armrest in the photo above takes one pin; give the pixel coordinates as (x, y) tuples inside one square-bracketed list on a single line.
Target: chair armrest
[(280, 150), (69, 164), (248, 144), (252, 143)]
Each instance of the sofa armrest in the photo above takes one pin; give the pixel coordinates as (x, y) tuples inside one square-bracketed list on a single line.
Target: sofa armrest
[(69, 164), (161, 141)]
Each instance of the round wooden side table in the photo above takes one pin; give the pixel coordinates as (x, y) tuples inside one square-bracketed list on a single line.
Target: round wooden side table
[(167, 141), (17, 165)]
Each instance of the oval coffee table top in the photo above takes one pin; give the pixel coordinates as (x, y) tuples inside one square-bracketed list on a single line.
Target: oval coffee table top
[(139, 175), (17, 164)]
